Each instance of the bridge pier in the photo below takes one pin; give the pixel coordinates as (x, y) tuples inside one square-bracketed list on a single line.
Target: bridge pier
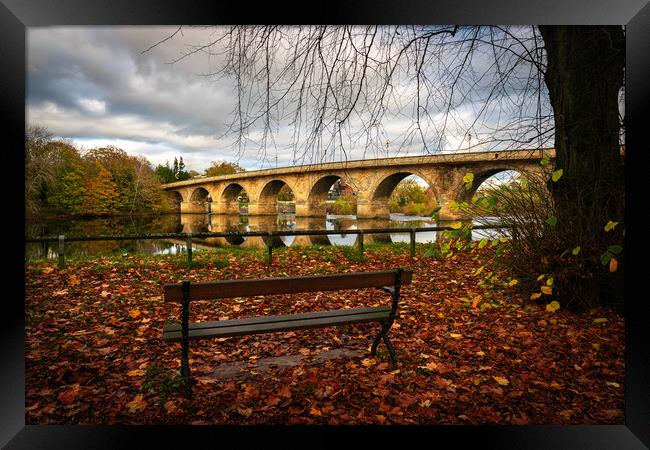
[(225, 207), (302, 209), (266, 208), (368, 209), (446, 214), (194, 207)]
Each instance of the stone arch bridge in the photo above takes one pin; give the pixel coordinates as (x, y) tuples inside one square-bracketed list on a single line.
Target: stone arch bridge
[(372, 180)]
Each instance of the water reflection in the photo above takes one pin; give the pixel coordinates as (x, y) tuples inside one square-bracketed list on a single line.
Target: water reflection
[(197, 223)]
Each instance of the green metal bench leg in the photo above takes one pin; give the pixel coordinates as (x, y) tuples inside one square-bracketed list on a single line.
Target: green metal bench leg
[(391, 351), (375, 342), (383, 335)]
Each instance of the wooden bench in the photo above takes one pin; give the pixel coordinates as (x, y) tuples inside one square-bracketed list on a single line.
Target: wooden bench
[(389, 281)]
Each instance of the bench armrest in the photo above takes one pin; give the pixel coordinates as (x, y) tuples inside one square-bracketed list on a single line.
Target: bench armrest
[(388, 289)]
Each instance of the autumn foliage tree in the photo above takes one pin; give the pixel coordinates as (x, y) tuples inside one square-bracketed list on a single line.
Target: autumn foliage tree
[(60, 178), (223, 168), (101, 196)]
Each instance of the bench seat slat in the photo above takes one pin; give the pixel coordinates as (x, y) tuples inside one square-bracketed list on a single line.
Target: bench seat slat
[(286, 325), (207, 290), (269, 319)]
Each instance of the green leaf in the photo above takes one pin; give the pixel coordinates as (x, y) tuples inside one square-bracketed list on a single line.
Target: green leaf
[(605, 257), (557, 174), (483, 242), (551, 221), (468, 186), (456, 225), (468, 178), (524, 183), (610, 225), (453, 205), (576, 250), (545, 161), (615, 249)]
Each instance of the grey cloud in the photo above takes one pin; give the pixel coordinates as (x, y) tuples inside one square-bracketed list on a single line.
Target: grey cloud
[(95, 83)]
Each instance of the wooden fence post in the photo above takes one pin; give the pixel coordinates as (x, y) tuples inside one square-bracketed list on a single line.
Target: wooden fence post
[(270, 249), (61, 251), (189, 250), (360, 243), (412, 233)]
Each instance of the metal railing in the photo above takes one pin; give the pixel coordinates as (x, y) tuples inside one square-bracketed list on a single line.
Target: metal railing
[(269, 234)]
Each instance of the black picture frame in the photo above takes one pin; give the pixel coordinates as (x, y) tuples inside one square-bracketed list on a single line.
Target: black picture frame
[(16, 15)]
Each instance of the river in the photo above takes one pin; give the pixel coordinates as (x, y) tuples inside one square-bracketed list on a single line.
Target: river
[(195, 223)]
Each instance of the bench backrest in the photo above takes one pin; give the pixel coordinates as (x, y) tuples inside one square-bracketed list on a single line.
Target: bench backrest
[(208, 290)]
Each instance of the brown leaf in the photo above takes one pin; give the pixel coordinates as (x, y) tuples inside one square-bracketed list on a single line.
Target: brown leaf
[(137, 404), (170, 407), (69, 395)]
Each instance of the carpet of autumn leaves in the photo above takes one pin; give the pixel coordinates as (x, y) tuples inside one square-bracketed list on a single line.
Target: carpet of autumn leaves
[(468, 352)]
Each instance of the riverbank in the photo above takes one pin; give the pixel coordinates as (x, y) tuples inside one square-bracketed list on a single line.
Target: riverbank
[(469, 352)]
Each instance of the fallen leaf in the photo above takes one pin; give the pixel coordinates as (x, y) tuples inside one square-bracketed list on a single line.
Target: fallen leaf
[(137, 404), (368, 362), (170, 407), (69, 395), (553, 306), (134, 313), (502, 381), (430, 367)]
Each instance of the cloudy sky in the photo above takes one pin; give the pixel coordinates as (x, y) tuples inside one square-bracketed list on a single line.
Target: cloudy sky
[(99, 86)]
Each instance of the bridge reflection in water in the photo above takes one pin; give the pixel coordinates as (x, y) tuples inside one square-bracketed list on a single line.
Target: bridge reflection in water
[(197, 223)]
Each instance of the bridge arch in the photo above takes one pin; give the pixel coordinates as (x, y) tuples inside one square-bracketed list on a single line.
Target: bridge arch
[(480, 178), (230, 197), (197, 200), (175, 198), (318, 195), (267, 201), (380, 193)]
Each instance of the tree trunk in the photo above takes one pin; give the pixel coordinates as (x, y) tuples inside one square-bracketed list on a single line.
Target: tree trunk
[(584, 74)]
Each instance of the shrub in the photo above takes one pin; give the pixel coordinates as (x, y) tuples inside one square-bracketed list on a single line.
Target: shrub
[(542, 247)]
